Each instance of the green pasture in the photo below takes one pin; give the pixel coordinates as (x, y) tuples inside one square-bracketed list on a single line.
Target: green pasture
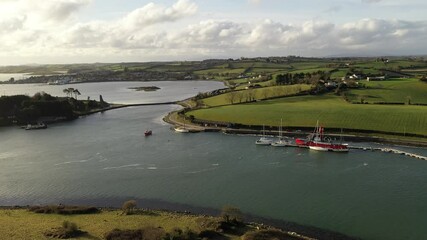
[(257, 94), (371, 71), (309, 64), (265, 65), (264, 70), (22, 224), (171, 68), (311, 70), (390, 65), (339, 73), (220, 71), (257, 81), (331, 111), (394, 90)]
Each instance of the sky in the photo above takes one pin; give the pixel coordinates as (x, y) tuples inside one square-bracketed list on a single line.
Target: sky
[(86, 31)]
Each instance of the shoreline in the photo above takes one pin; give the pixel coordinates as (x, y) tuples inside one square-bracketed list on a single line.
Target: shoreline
[(304, 231), (386, 138)]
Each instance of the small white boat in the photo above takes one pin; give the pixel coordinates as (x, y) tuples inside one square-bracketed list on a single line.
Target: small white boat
[(264, 140), (283, 142), (36, 126), (181, 129)]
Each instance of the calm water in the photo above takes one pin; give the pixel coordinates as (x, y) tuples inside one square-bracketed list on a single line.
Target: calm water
[(16, 76), (371, 195), (119, 92)]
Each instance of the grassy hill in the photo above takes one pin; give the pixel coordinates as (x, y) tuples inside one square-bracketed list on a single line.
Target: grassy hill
[(393, 90), (331, 111), (255, 94)]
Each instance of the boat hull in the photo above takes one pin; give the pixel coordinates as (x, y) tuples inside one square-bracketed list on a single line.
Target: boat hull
[(181, 130), (327, 147), (281, 144), (258, 142)]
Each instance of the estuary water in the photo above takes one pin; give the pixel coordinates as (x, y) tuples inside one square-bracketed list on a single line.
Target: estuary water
[(371, 195), (119, 92)]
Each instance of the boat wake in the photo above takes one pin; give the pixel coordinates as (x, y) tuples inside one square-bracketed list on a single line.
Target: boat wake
[(356, 167), (203, 170), (124, 166), (71, 162)]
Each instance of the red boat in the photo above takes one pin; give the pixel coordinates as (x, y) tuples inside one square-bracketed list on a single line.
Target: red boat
[(148, 133), (317, 141)]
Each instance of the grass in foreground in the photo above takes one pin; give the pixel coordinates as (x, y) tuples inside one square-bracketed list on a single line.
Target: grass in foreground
[(331, 111), (141, 224), (23, 224)]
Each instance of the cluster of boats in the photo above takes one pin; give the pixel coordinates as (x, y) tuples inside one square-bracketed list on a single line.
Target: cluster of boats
[(281, 142), (315, 141)]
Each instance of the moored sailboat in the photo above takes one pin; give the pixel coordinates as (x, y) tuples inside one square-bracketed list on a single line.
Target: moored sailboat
[(283, 141), (264, 140)]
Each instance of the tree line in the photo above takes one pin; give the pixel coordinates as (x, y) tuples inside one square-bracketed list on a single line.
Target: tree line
[(298, 78), (23, 109)]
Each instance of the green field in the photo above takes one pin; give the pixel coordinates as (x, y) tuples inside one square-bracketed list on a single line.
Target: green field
[(331, 111), (22, 224), (394, 90), (257, 94), (220, 71), (312, 70)]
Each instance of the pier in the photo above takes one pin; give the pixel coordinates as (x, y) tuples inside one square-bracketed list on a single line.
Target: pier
[(390, 150)]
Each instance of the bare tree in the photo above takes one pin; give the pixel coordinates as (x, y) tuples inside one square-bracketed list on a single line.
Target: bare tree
[(76, 92), (128, 207), (240, 95), (266, 93), (250, 95), (231, 97), (231, 214)]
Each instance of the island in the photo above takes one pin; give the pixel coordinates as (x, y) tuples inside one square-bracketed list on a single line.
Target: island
[(146, 89)]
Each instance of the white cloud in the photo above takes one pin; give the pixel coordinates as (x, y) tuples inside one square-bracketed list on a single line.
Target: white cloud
[(142, 35), (152, 14), (255, 1), (371, 1)]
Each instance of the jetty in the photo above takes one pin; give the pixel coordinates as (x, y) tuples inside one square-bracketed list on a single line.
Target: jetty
[(390, 150)]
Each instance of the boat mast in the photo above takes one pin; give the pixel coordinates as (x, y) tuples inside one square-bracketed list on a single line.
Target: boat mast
[(280, 130)]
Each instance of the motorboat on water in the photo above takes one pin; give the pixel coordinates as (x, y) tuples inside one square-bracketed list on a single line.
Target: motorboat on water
[(317, 141), (148, 133)]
